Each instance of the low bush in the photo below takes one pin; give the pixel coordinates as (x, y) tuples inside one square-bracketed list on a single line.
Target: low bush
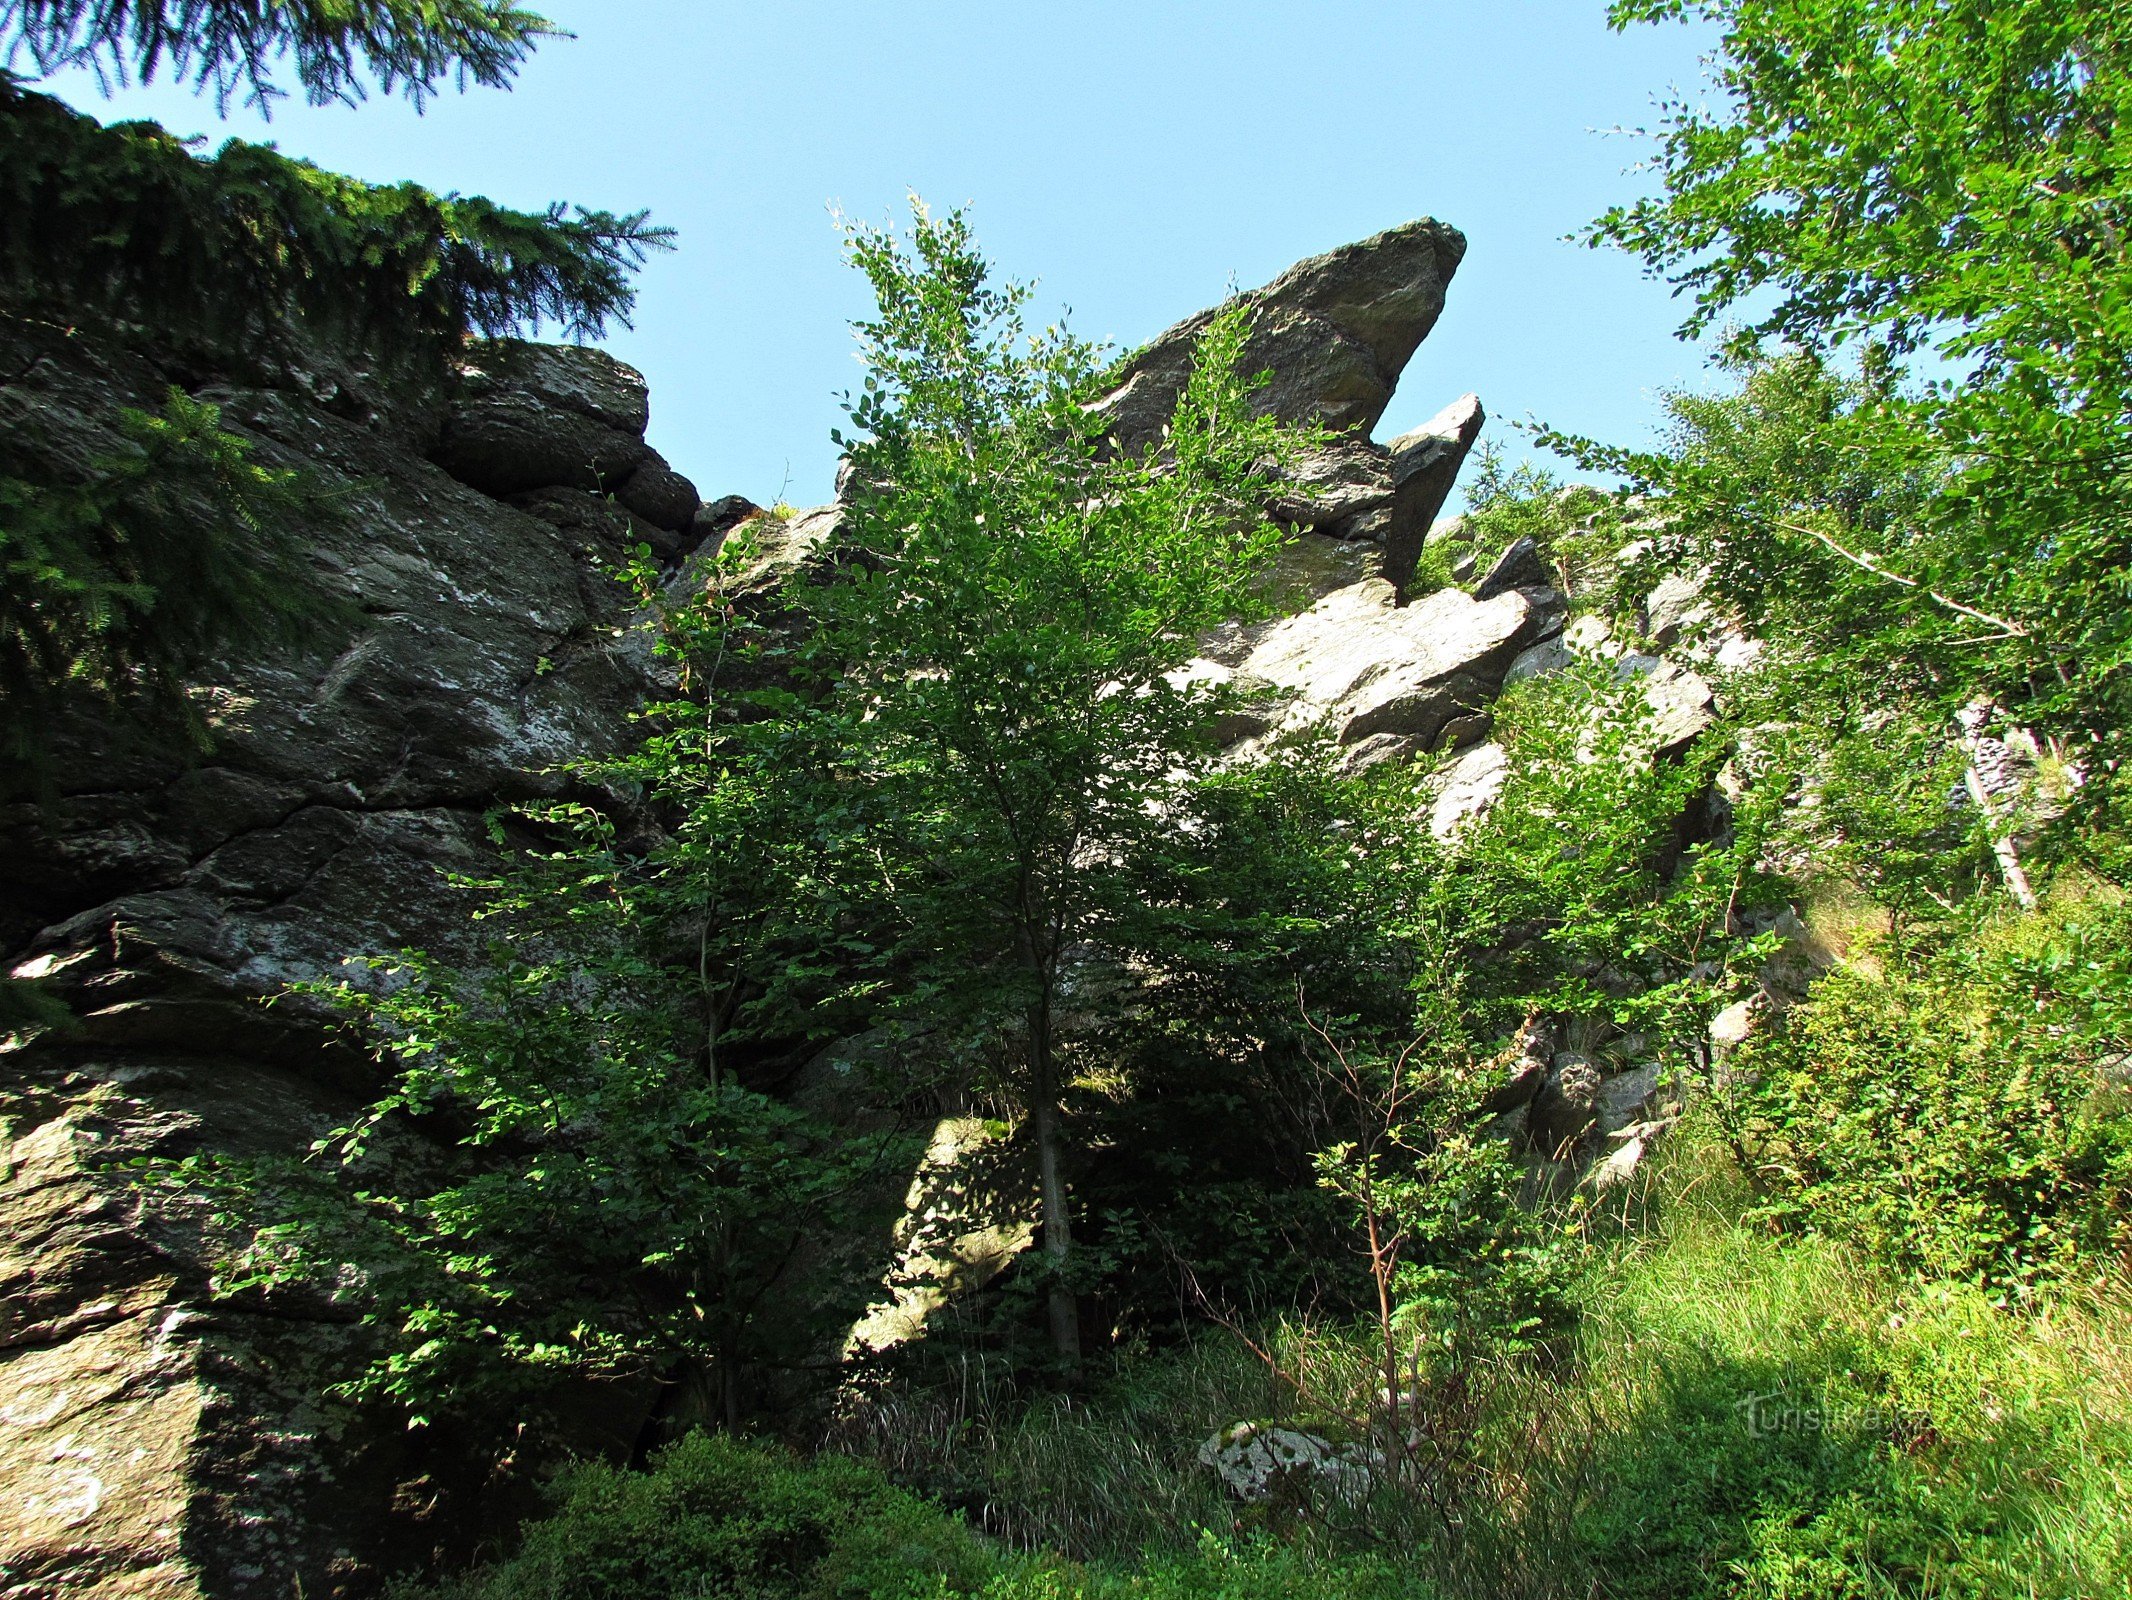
[(718, 1516), (1957, 1110)]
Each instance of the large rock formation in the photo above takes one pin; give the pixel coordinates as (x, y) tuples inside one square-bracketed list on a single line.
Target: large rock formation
[(1334, 333), (1385, 680), (158, 1438)]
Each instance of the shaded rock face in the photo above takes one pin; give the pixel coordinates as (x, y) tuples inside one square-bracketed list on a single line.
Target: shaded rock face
[(529, 417), (156, 1439)]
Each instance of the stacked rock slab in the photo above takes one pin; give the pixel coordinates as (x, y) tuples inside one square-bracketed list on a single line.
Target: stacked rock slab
[(1385, 680), (1334, 333), (558, 431), (156, 1439)]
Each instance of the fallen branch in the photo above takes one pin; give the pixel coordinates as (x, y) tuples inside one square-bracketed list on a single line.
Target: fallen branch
[(2007, 630)]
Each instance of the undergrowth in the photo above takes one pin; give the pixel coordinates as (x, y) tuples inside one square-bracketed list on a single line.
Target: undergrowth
[(719, 1516), (1781, 1417), (1742, 1414)]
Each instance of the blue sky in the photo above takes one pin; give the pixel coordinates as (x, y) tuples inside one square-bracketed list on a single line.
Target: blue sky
[(1135, 158)]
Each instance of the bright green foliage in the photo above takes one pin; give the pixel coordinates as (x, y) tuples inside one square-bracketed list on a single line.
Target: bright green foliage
[(1933, 169), (1751, 475), (716, 1516), (1587, 893), (1013, 604), (1766, 485), (1600, 884), (617, 1200), (751, 872), (1574, 525), (1909, 174), (613, 1207), (122, 582), (1600, 889), (1962, 1112), (1880, 810), (1758, 1419), (1741, 1417), (1464, 1274), (234, 46), (1736, 1414), (129, 224)]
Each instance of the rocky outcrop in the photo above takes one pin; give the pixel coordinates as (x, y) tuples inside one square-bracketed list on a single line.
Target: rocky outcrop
[(1334, 332), (1262, 1461), (554, 423), (157, 1438), (1385, 679), (1424, 467), (161, 1438)]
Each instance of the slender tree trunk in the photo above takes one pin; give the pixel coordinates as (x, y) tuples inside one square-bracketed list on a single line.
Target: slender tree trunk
[(2002, 843), (1981, 748), (1065, 1316), (727, 1360)]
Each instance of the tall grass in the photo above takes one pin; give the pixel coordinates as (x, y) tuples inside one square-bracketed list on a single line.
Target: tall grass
[(1778, 1417), (1740, 1414)]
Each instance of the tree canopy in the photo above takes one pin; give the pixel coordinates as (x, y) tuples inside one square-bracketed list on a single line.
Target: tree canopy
[(1944, 185), (1018, 600), (131, 223)]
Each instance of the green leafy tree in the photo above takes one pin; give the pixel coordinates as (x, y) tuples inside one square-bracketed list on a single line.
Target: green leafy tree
[(1771, 487), (1014, 602), (1948, 179), (1460, 1271), (613, 1196), (234, 47)]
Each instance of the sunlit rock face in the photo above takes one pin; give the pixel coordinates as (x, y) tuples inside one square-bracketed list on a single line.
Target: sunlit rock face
[(1334, 333), (1383, 679)]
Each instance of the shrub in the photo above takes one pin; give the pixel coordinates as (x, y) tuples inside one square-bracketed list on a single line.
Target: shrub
[(1956, 1112), (718, 1516)]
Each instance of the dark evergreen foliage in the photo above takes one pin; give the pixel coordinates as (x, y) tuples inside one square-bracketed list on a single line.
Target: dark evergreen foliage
[(233, 46), (127, 223)]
